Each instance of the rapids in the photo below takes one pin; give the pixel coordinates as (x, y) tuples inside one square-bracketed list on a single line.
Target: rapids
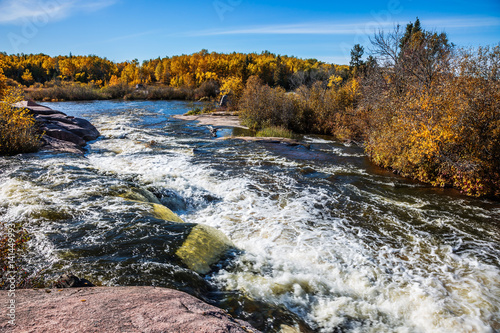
[(325, 238)]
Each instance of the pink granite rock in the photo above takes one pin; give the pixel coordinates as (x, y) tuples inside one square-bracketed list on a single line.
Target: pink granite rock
[(62, 133), (116, 309)]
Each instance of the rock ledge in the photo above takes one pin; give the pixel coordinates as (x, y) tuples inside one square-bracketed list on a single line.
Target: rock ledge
[(117, 309), (63, 133)]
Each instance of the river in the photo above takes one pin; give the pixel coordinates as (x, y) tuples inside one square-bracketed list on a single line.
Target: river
[(326, 239)]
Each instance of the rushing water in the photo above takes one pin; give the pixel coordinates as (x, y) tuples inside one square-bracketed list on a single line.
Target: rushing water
[(326, 238)]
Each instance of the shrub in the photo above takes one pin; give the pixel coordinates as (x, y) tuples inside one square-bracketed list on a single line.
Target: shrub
[(18, 132), (116, 91), (433, 115), (197, 111), (73, 91), (318, 109), (263, 106), (208, 89)]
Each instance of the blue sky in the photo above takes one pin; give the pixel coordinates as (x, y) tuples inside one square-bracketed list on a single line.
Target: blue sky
[(326, 30)]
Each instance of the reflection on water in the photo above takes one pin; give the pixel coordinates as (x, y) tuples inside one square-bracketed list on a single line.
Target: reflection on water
[(326, 239)]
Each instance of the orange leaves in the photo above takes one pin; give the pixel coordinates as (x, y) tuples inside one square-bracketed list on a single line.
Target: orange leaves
[(446, 133)]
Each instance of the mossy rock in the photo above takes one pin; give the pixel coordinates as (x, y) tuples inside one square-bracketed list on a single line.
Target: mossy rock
[(204, 247), (139, 194), (51, 214), (164, 213)]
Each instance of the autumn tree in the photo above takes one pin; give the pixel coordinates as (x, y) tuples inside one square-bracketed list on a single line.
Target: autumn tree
[(411, 29), (432, 110), (27, 77), (3, 82)]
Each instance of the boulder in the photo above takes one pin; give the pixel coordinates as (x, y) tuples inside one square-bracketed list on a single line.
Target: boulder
[(116, 309), (91, 133), (63, 133), (204, 247)]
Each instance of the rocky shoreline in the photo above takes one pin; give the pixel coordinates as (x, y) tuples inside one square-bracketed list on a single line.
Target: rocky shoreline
[(62, 133)]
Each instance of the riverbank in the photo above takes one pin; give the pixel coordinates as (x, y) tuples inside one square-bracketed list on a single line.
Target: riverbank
[(226, 119)]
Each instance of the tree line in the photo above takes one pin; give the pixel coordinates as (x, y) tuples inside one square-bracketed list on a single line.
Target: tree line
[(178, 71)]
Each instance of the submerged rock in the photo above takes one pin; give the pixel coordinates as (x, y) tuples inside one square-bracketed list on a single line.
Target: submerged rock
[(71, 281)]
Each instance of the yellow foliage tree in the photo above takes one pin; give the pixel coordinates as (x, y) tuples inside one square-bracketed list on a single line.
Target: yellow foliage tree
[(233, 86), (114, 81), (27, 77), (3, 84)]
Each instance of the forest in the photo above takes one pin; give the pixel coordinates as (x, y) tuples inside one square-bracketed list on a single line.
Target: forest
[(193, 76), (418, 104)]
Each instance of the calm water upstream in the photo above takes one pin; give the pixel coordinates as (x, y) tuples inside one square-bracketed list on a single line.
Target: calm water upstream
[(326, 238)]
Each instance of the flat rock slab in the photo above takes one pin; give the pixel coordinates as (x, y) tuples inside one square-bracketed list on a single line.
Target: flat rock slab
[(214, 119), (285, 141), (116, 309)]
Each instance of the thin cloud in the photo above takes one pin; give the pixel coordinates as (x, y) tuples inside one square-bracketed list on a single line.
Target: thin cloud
[(462, 22), (18, 11), (139, 34), (289, 29), (364, 27)]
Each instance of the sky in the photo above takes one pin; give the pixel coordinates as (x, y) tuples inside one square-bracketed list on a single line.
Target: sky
[(123, 30)]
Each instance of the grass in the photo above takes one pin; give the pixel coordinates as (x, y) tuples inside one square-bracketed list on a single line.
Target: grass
[(197, 111), (276, 131)]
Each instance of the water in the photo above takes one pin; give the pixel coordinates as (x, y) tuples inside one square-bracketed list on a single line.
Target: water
[(328, 241)]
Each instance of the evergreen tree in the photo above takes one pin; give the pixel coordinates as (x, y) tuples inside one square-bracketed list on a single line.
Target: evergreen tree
[(356, 55), (356, 62), (411, 29), (280, 75)]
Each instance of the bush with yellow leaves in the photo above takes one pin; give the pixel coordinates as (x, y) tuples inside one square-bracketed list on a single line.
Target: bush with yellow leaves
[(18, 132)]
